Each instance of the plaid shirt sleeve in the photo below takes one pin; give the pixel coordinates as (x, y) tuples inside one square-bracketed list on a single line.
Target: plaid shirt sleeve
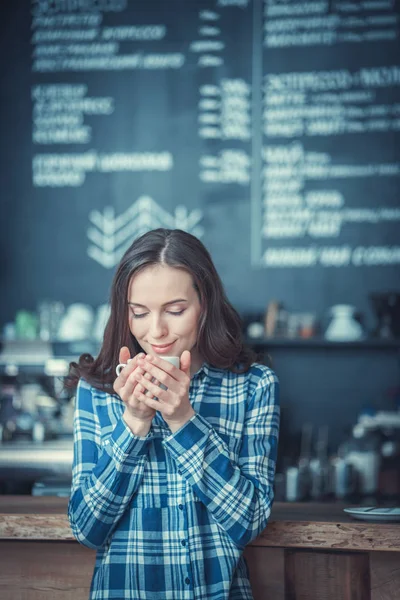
[(238, 494), (105, 472)]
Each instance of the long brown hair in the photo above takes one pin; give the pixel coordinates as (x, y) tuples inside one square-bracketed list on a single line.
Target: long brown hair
[(219, 339)]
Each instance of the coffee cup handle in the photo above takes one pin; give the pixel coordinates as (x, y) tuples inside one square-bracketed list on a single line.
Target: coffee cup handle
[(119, 367)]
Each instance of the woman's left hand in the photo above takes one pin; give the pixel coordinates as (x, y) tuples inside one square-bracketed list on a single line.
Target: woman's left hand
[(173, 403)]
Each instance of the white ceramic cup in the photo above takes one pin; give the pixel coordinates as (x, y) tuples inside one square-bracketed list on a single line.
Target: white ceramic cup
[(174, 360)]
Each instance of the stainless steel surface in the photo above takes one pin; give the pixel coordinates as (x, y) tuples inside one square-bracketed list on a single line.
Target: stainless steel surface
[(22, 460)]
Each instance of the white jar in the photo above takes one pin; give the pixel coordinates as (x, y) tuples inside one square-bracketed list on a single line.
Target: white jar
[(344, 327)]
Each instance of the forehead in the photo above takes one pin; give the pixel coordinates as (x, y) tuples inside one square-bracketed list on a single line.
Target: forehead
[(161, 283)]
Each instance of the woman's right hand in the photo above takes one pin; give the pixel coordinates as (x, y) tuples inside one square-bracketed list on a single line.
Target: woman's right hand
[(136, 412)]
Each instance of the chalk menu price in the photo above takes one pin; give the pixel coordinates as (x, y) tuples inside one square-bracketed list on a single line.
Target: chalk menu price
[(290, 106), (86, 52), (330, 135), (71, 38)]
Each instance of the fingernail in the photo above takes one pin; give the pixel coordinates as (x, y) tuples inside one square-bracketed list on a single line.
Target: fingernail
[(149, 357)]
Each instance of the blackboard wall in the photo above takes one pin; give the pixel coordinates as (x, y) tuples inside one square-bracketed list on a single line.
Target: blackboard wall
[(269, 129)]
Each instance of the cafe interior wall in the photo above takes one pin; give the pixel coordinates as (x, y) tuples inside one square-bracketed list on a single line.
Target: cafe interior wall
[(44, 232)]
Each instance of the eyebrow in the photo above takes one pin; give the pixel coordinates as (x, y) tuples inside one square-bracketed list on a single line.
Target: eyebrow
[(136, 305)]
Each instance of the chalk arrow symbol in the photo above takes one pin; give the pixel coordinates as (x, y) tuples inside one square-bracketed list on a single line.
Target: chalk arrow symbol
[(186, 220), (158, 216), (124, 218), (111, 236), (104, 242), (195, 217), (103, 258), (128, 233), (105, 221)]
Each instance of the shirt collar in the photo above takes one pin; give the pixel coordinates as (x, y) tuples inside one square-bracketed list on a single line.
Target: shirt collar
[(207, 370), (201, 371)]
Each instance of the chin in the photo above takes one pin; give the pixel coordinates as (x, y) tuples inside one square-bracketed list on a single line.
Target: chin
[(143, 348)]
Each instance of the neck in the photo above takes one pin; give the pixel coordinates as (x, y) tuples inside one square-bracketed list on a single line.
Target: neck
[(196, 363)]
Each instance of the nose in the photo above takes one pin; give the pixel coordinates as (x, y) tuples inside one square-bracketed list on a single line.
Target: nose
[(158, 327)]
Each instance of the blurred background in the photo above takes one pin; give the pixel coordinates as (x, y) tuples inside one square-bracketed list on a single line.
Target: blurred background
[(270, 130)]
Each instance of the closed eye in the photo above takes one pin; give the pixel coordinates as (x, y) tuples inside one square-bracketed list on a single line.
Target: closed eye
[(176, 313)]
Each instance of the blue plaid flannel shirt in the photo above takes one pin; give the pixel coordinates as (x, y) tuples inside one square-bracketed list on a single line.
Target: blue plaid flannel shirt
[(170, 514)]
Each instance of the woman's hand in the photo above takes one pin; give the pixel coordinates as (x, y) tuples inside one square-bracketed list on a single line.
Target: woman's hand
[(126, 385), (173, 403)]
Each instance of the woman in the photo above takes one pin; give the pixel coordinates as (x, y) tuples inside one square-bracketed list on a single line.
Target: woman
[(170, 483)]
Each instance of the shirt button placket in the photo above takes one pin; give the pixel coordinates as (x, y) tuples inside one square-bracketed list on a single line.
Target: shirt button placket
[(188, 581)]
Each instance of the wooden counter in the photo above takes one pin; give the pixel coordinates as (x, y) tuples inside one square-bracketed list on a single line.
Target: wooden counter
[(307, 552)]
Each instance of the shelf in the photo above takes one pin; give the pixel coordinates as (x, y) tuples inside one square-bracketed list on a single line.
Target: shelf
[(37, 357), (52, 358), (366, 344)]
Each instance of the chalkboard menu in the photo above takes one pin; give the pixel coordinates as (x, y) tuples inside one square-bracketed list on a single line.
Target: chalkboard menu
[(269, 129)]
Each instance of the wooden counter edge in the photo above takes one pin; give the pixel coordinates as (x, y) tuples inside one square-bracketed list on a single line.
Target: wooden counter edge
[(278, 534), (319, 535)]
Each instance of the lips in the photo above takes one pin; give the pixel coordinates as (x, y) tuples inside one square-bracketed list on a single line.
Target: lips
[(162, 349)]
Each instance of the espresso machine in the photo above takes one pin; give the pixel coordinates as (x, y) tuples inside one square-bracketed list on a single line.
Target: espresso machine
[(386, 307)]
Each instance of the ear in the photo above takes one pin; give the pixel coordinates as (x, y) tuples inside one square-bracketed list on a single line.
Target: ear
[(186, 361), (124, 354)]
